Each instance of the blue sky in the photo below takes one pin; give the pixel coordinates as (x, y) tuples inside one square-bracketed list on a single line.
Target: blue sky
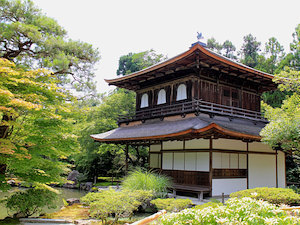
[(118, 27)]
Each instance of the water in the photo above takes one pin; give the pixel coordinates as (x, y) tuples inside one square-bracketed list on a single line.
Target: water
[(65, 194)]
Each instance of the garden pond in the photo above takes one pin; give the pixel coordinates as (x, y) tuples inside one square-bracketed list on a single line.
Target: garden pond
[(65, 194)]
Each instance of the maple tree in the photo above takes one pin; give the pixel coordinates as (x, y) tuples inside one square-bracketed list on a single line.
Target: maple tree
[(35, 129)]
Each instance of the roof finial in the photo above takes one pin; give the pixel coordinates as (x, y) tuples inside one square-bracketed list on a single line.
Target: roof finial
[(199, 36)]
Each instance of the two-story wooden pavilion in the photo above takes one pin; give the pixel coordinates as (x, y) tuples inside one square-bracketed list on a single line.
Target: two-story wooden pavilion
[(200, 114)]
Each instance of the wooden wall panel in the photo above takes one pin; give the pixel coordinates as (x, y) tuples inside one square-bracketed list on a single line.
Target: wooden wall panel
[(188, 177)]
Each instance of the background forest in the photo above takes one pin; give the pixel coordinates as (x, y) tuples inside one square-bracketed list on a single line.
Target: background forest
[(49, 106)]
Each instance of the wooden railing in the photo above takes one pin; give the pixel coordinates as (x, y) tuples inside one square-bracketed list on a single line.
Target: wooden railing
[(194, 106)]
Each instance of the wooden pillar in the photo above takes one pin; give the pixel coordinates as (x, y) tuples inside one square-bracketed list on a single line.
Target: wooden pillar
[(161, 155), (210, 164), (247, 159), (126, 159), (276, 160)]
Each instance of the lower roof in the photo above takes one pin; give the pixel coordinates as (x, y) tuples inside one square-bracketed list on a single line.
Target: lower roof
[(201, 126)]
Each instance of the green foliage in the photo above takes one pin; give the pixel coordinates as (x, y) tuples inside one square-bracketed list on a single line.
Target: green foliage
[(137, 61), (214, 45), (140, 180), (36, 124), (273, 195), (171, 204), (236, 211), (65, 202), (33, 40), (227, 48), (98, 159), (31, 201), (284, 127), (208, 204), (250, 50), (115, 203)]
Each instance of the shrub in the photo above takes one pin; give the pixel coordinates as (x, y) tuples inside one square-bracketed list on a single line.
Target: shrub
[(139, 180), (171, 204), (208, 204), (236, 211), (31, 201), (115, 203), (273, 195)]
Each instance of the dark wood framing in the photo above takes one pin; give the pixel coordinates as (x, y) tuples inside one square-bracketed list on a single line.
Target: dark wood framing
[(247, 163), (220, 150), (229, 173), (276, 160), (188, 177), (210, 164)]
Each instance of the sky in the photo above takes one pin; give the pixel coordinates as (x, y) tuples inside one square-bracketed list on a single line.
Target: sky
[(117, 27)]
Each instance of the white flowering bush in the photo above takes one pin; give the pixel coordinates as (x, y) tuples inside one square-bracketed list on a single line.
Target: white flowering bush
[(236, 211)]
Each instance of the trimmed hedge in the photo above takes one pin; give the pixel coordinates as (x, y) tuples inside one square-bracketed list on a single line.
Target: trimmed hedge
[(273, 195), (171, 204)]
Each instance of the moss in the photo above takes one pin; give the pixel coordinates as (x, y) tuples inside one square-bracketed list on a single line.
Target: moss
[(73, 212)]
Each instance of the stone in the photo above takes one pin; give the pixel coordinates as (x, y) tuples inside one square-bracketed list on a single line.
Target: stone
[(73, 176), (86, 186), (72, 201)]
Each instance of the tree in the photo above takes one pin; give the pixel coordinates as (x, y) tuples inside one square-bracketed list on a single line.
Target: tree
[(249, 51), (271, 57), (133, 62), (33, 40), (97, 158), (229, 49), (36, 125), (214, 45), (109, 159)]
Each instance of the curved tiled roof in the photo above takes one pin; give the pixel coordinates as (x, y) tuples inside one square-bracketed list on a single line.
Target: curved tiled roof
[(197, 47), (190, 127)]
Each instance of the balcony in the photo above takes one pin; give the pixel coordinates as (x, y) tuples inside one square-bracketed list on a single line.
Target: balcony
[(195, 106)]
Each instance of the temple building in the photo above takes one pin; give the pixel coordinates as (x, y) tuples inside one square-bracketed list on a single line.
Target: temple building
[(199, 113)]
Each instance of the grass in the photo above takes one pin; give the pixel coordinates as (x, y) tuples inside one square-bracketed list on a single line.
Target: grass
[(140, 180), (106, 181), (9, 221)]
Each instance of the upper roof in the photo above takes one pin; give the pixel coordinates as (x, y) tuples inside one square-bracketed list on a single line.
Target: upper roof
[(196, 56)]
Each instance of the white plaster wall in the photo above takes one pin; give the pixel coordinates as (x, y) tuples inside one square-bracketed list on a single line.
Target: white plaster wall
[(197, 144), (229, 144), (228, 186), (155, 148), (260, 147), (178, 161), (167, 160), (202, 161), (172, 145), (281, 169), (190, 161), (154, 160), (262, 170)]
